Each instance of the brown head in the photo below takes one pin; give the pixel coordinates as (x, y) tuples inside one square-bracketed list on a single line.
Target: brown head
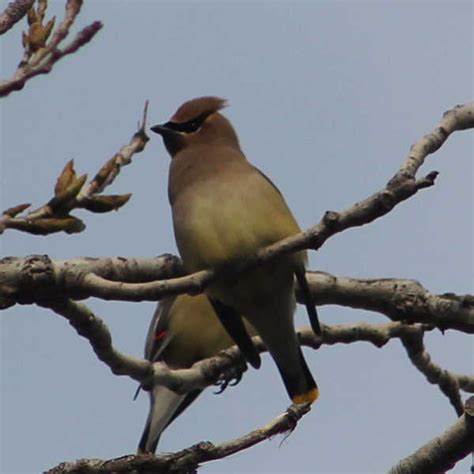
[(197, 121)]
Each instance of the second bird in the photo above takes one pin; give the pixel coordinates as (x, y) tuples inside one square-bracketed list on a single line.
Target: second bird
[(224, 209), (183, 330)]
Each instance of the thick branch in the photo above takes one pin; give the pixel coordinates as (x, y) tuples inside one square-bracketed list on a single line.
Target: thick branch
[(444, 451), (25, 280), (400, 300), (14, 12), (189, 459)]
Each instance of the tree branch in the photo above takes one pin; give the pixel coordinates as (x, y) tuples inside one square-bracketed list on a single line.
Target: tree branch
[(187, 460), (42, 58), (24, 280), (447, 382), (379, 335), (14, 12), (399, 299), (71, 193), (443, 452), (217, 369)]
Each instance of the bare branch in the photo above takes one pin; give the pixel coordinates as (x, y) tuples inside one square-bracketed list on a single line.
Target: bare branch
[(400, 300), (93, 328), (379, 335), (14, 12), (39, 56), (397, 299), (215, 369), (71, 193), (219, 368), (447, 382), (189, 459), (24, 280), (443, 452)]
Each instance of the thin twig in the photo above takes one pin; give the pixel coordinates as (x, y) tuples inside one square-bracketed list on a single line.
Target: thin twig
[(14, 12), (421, 359), (72, 192), (42, 61)]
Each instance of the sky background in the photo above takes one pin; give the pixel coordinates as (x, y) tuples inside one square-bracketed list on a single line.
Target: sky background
[(327, 98)]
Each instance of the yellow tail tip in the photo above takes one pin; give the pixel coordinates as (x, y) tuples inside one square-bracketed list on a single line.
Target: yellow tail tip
[(308, 397)]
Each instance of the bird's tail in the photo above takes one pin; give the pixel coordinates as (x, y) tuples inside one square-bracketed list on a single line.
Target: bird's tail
[(275, 326), (164, 404), (300, 384)]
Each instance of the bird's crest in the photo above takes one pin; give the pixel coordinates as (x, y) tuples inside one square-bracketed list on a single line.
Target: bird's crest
[(201, 106)]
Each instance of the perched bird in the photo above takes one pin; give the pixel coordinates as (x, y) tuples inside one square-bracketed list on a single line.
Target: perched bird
[(224, 209), (183, 330)]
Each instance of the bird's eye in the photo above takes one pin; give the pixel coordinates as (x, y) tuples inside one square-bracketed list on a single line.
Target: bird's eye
[(194, 125)]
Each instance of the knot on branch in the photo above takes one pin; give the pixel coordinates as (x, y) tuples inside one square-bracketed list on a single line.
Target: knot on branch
[(447, 383), (386, 201), (331, 218), (408, 297), (294, 414), (36, 275)]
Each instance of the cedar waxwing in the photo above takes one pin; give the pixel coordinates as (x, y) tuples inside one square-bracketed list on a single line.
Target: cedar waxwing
[(224, 209), (183, 330)]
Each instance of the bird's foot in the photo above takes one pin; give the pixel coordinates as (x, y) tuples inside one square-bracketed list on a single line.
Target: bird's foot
[(231, 376)]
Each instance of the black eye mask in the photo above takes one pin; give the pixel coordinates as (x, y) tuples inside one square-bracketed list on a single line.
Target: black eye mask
[(190, 126)]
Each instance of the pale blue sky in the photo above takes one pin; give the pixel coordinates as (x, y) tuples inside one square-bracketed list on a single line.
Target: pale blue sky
[(326, 97)]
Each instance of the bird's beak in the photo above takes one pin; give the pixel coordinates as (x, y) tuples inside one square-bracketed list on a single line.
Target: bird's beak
[(161, 130)]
